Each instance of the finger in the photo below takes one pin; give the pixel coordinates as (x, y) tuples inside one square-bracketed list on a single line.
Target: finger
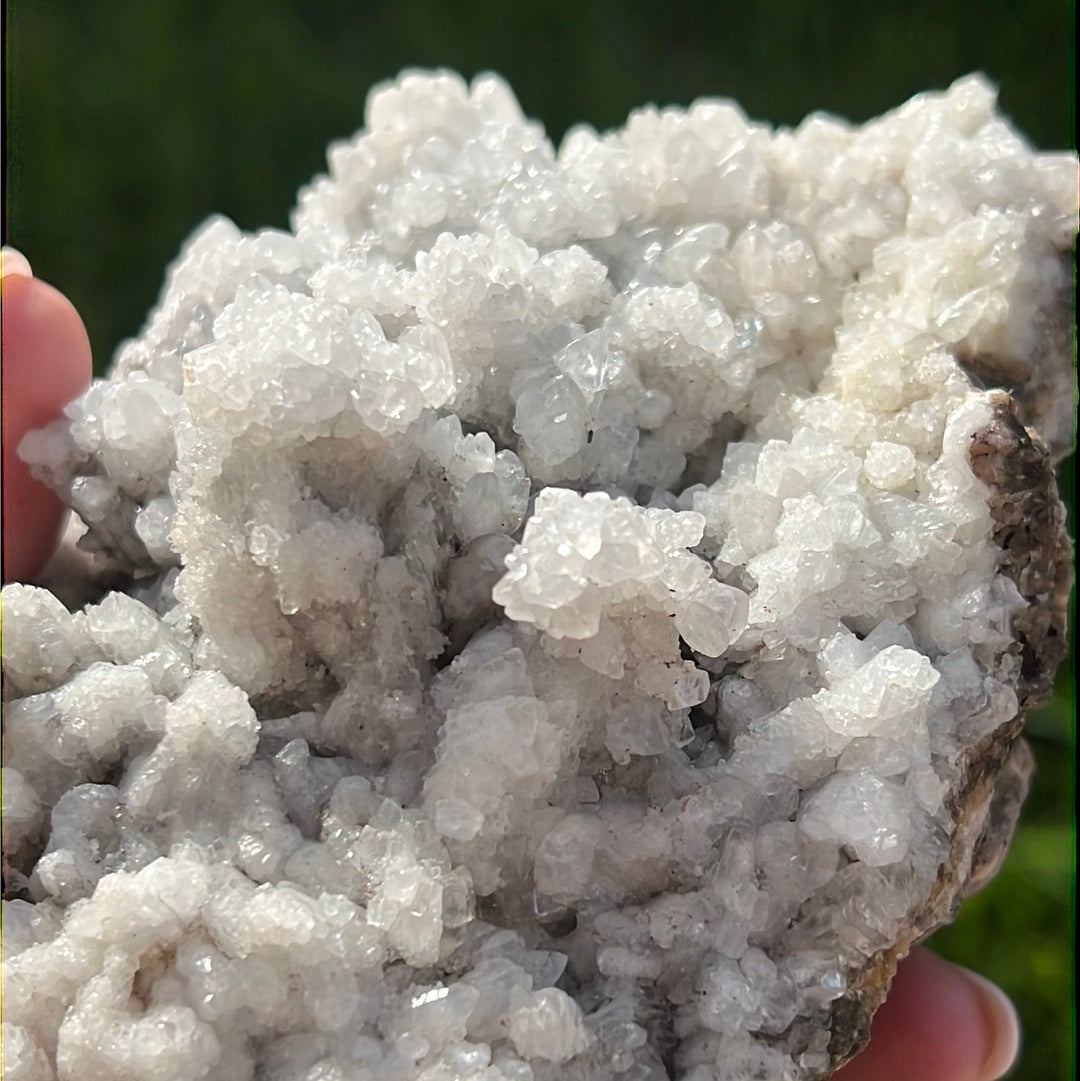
[(46, 356), (939, 1023)]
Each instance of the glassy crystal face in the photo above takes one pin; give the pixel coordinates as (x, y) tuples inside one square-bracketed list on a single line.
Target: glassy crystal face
[(574, 610)]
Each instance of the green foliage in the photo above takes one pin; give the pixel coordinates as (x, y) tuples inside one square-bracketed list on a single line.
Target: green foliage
[(129, 122), (1014, 934)]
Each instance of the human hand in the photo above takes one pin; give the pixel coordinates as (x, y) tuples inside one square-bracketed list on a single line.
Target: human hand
[(940, 1023), (46, 356)]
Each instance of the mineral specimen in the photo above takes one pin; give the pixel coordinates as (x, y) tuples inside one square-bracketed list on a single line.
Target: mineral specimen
[(578, 609)]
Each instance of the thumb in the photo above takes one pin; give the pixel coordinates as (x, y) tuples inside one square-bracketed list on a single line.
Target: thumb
[(46, 356), (939, 1023)]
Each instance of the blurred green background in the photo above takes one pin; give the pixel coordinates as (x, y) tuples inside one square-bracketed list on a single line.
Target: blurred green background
[(129, 121)]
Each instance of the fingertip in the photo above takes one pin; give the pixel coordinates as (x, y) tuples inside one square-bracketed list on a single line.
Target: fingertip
[(46, 348), (1002, 1022), (14, 262), (46, 363), (939, 1023)]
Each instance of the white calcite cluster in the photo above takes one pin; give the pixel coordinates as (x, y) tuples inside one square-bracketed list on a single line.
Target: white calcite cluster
[(559, 604)]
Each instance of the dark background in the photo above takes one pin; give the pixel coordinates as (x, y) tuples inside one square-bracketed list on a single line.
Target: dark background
[(129, 121)]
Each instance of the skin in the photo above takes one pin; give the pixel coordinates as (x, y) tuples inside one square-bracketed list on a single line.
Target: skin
[(940, 1023), (46, 356)]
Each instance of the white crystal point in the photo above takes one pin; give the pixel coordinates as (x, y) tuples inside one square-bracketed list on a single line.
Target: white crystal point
[(583, 556), (867, 813)]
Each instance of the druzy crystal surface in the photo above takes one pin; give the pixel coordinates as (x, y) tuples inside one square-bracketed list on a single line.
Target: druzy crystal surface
[(574, 610)]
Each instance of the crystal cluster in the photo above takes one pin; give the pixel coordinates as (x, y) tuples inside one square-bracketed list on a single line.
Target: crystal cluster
[(577, 608)]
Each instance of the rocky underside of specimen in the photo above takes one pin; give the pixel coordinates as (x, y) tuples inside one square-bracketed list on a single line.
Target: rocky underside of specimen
[(576, 610)]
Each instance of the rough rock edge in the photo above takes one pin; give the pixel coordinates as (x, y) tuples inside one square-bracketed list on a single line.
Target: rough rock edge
[(1036, 554), (1043, 389)]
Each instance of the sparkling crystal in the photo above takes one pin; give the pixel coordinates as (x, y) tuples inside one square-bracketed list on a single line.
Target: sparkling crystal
[(566, 597)]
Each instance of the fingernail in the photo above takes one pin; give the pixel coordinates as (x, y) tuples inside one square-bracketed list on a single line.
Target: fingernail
[(1003, 1022), (14, 262)]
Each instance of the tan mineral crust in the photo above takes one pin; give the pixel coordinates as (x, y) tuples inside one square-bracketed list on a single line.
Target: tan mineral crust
[(548, 616)]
